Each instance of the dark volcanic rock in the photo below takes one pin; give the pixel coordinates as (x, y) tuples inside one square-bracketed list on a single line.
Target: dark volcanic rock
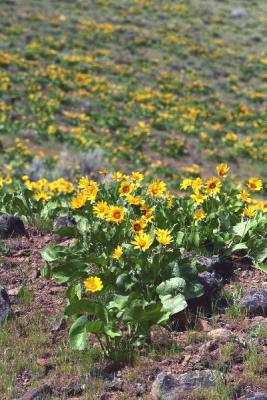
[(11, 226), (169, 386), (219, 265), (211, 282), (64, 222), (43, 392), (255, 303), (5, 306)]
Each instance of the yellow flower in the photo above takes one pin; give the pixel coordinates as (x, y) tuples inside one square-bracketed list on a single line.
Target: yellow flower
[(255, 184), (156, 188), (142, 241), (249, 211), (163, 236), (135, 201), (197, 184), (42, 196), (117, 253), (115, 214), (137, 176), (139, 225), (213, 186), (199, 214), (8, 180), (117, 176), (90, 188), (79, 200), (125, 188), (244, 196), (222, 170), (101, 209), (263, 205), (198, 197), (185, 184), (83, 182), (93, 284), (169, 197)]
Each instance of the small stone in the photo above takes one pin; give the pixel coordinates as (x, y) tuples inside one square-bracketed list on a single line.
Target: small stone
[(140, 389), (238, 13), (5, 306), (169, 386), (203, 325), (254, 396), (14, 291), (255, 303), (64, 222), (219, 334), (43, 392), (211, 345), (11, 226)]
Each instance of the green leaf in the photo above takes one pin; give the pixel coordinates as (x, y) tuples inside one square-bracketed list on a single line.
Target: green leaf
[(96, 327), (67, 231), (179, 237), (193, 290), (51, 254), (262, 267), (78, 334), (153, 314), (171, 286), (173, 305), (124, 281), (112, 332), (238, 246), (82, 306)]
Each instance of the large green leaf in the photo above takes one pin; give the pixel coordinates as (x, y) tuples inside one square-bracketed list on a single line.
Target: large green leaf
[(193, 289), (51, 254), (173, 305), (82, 306), (262, 267), (171, 286), (78, 334)]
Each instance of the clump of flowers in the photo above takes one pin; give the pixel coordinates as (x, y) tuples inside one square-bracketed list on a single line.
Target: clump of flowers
[(131, 266)]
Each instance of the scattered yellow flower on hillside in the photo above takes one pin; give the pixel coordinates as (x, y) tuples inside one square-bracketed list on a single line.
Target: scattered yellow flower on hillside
[(142, 241), (115, 214), (255, 184), (163, 236), (117, 253), (213, 186), (157, 188), (93, 284), (222, 170), (101, 209), (199, 215)]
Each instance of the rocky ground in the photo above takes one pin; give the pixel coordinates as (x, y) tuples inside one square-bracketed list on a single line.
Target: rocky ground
[(220, 354)]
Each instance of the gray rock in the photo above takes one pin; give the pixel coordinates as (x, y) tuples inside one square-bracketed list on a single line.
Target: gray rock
[(5, 306), (11, 226), (238, 13), (219, 334), (43, 392), (255, 303), (254, 396), (210, 281), (169, 386), (214, 264), (64, 222), (28, 134)]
